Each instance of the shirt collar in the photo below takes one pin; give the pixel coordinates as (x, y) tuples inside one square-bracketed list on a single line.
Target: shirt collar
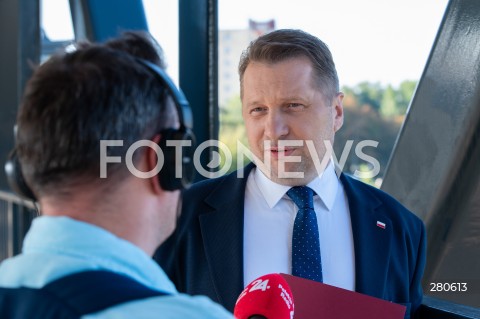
[(324, 185)]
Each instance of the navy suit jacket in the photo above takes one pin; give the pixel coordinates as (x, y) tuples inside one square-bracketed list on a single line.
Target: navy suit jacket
[(205, 253)]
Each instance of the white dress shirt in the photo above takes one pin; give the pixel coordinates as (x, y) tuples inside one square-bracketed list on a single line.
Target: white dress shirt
[(268, 228)]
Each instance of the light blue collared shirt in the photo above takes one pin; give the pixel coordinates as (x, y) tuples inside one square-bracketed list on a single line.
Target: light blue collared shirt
[(58, 246)]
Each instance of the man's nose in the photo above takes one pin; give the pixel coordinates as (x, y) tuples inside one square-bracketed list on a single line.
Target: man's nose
[(276, 126)]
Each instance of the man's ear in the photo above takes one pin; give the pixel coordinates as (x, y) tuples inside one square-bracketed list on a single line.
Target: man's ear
[(338, 111), (152, 161)]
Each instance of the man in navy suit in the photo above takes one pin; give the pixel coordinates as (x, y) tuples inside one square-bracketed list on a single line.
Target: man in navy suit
[(238, 227)]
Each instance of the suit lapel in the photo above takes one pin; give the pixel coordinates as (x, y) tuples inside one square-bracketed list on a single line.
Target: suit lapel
[(372, 233), (222, 234)]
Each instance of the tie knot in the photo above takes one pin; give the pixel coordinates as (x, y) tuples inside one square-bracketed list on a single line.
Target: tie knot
[(302, 196)]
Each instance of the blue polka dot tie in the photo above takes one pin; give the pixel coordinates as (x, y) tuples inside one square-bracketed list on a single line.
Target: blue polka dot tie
[(306, 259)]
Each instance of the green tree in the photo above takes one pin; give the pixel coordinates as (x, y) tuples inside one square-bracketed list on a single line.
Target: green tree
[(404, 95), (231, 112), (232, 129), (388, 105), (372, 112), (370, 94)]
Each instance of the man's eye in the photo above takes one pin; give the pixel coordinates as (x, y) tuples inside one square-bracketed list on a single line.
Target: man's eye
[(295, 105), (257, 110)]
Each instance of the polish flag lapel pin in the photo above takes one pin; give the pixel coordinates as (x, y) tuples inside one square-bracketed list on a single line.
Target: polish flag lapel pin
[(380, 224)]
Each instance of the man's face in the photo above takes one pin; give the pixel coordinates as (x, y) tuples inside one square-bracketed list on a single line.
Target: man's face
[(282, 104)]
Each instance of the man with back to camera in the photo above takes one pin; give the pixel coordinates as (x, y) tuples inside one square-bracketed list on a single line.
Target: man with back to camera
[(262, 219), (98, 92)]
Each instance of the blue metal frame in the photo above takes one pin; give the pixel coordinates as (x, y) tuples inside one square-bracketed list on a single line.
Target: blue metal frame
[(20, 48), (100, 20), (198, 66)]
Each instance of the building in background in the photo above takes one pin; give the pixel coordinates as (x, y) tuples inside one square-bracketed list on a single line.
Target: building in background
[(231, 43)]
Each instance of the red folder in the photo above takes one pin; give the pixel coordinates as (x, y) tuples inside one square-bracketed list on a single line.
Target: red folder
[(314, 300)]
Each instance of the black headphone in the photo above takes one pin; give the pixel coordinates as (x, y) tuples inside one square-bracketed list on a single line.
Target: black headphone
[(167, 177)]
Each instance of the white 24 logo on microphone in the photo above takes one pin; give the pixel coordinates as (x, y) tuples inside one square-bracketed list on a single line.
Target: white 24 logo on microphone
[(259, 284)]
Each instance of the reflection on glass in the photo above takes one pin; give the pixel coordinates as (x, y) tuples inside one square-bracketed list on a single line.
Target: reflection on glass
[(162, 19), (56, 20)]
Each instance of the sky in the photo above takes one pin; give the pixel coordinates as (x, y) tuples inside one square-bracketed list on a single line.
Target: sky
[(386, 41)]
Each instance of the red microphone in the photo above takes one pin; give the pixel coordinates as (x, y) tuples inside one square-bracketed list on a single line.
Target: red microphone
[(268, 297)]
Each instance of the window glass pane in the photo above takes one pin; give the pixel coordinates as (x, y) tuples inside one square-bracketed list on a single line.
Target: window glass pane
[(162, 18), (56, 26), (56, 20), (379, 47)]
